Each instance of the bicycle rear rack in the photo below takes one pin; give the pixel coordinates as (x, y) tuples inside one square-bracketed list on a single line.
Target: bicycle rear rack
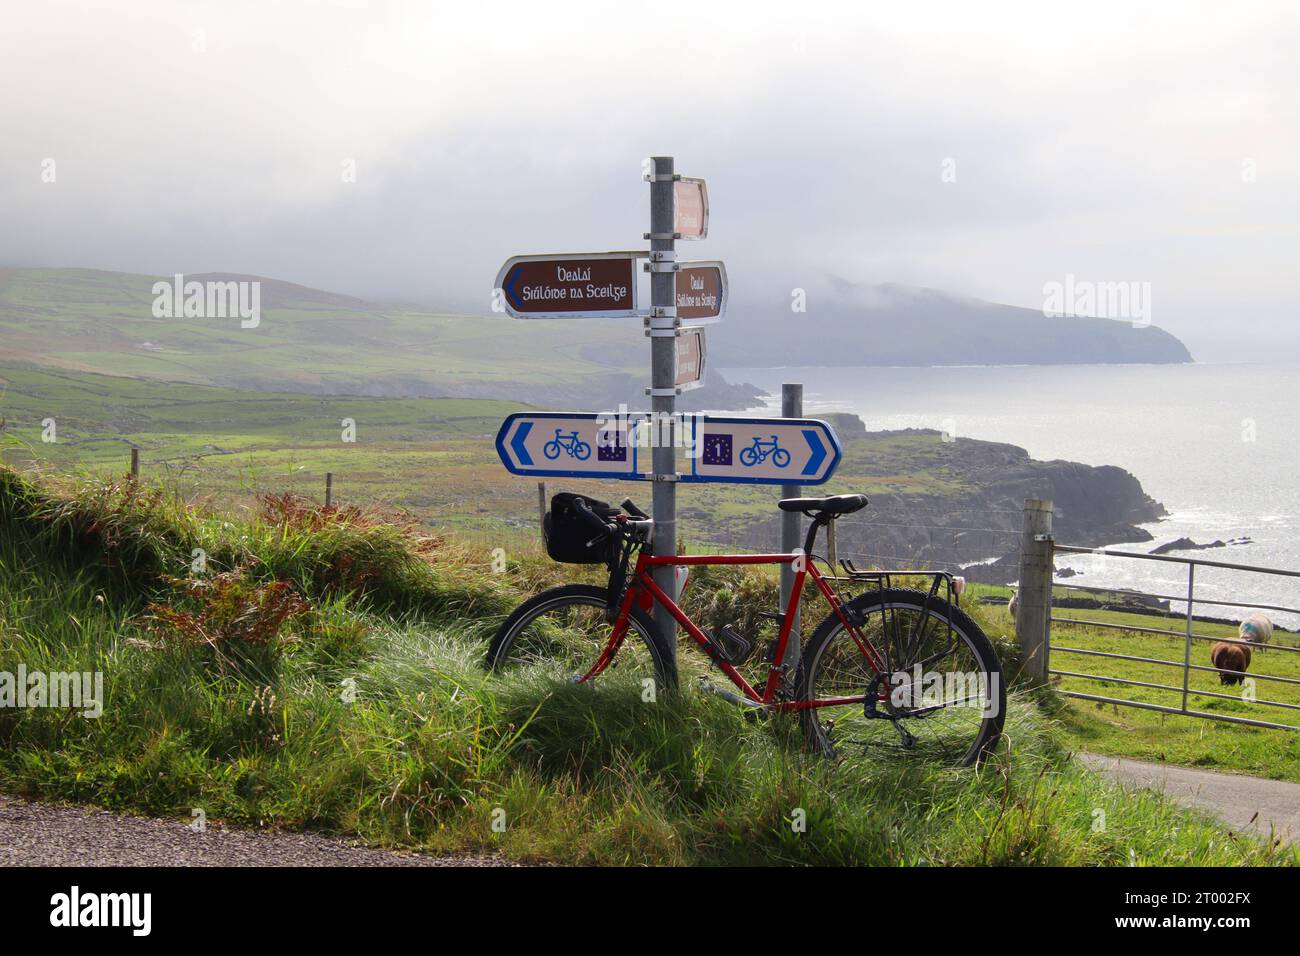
[(883, 579)]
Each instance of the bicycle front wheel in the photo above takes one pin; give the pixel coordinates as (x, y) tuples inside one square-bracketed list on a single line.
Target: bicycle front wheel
[(939, 694), (564, 631)]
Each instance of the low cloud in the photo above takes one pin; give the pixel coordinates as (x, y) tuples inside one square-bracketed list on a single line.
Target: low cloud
[(944, 145)]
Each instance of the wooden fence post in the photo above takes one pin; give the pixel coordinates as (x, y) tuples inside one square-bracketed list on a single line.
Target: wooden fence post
[(329, 489), (1034, 595), (541, 507), (135, 464)]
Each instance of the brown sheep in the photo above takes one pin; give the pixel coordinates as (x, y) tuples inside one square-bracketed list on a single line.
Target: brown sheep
[(1230, 657)]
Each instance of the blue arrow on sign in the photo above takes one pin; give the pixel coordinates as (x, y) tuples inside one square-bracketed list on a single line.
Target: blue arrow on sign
[(509, 286), (517, 443), (818, 451)]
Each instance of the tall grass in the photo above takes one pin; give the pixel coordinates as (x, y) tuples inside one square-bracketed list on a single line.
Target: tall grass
[(374, 718)]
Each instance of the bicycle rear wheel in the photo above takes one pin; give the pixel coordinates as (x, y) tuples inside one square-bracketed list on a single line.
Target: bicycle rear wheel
[(564, 630), (942, 688)]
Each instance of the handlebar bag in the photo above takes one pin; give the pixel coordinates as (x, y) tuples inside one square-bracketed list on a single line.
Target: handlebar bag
[(567, 531)]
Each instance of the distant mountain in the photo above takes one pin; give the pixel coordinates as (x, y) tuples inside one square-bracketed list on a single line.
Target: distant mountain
[(308, 340), (322, 343), (849, 324)]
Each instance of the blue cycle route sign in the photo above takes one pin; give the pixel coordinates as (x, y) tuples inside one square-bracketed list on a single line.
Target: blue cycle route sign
[(571, 445), (765, 451)]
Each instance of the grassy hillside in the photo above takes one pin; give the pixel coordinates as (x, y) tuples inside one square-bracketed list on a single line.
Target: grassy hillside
[(312, 341), (323, 671)]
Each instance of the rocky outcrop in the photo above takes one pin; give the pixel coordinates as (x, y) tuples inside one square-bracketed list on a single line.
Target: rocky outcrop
[(973, 518), (1187, 544)]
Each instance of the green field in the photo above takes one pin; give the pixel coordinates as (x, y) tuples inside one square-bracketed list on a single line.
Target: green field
[(1151, 735), (434, 457), (224, 690)]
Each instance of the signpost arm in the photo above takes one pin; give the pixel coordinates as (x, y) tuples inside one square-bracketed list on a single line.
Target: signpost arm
[(791, 407), (663, 373)]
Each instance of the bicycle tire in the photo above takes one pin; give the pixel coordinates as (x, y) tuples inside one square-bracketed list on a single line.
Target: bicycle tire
[(990, 730), (573, 595)]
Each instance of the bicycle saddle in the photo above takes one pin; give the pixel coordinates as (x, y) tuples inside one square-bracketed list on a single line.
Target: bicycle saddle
[(834, 505)]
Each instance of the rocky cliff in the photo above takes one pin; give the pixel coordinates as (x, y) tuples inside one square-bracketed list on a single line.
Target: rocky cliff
[(971, 518)]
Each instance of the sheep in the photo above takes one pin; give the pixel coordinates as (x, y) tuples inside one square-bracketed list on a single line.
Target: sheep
[(1011, 605), (1257, 629), (1230, 657)]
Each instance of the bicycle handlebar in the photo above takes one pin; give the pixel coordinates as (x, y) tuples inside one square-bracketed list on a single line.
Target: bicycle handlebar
[(593, 519), (633, 510)]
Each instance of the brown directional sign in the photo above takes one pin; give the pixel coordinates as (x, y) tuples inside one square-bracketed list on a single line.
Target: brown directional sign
[(701, 291), (690, 359), (690, 208), (570, 286)]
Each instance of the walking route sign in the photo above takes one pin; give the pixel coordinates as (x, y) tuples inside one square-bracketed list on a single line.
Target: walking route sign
[(701, 292), (690, 208), (576, 286), (691, 353)]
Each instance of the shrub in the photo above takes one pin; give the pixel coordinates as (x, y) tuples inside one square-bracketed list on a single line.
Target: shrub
[(237, 619)]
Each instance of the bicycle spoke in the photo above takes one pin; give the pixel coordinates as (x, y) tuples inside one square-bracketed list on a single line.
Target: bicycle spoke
[(567, 637), (929, 707)]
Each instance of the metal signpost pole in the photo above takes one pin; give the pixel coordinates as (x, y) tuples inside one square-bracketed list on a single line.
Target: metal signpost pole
[(685, 297), (791, 407), (663, 374)]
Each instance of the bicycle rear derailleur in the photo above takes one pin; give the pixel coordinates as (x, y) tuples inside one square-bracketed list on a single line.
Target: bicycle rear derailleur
[(892, 714)]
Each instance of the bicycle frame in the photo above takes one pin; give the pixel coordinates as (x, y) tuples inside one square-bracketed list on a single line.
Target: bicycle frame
[(646, 592)]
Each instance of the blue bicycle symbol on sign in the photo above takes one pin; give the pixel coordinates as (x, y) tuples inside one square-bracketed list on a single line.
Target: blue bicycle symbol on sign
[(574, 446), (761, 451)]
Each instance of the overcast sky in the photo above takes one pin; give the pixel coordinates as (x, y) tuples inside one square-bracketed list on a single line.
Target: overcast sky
[(1145, 142)]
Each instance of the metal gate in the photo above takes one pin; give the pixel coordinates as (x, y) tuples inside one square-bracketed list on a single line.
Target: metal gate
[(1187, 633)]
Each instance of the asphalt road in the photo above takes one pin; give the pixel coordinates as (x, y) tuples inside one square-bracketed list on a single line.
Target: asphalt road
[(1240, 801), (42, 834)]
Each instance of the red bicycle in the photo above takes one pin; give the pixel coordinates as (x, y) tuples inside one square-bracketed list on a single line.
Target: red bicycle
[(889, 667)]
